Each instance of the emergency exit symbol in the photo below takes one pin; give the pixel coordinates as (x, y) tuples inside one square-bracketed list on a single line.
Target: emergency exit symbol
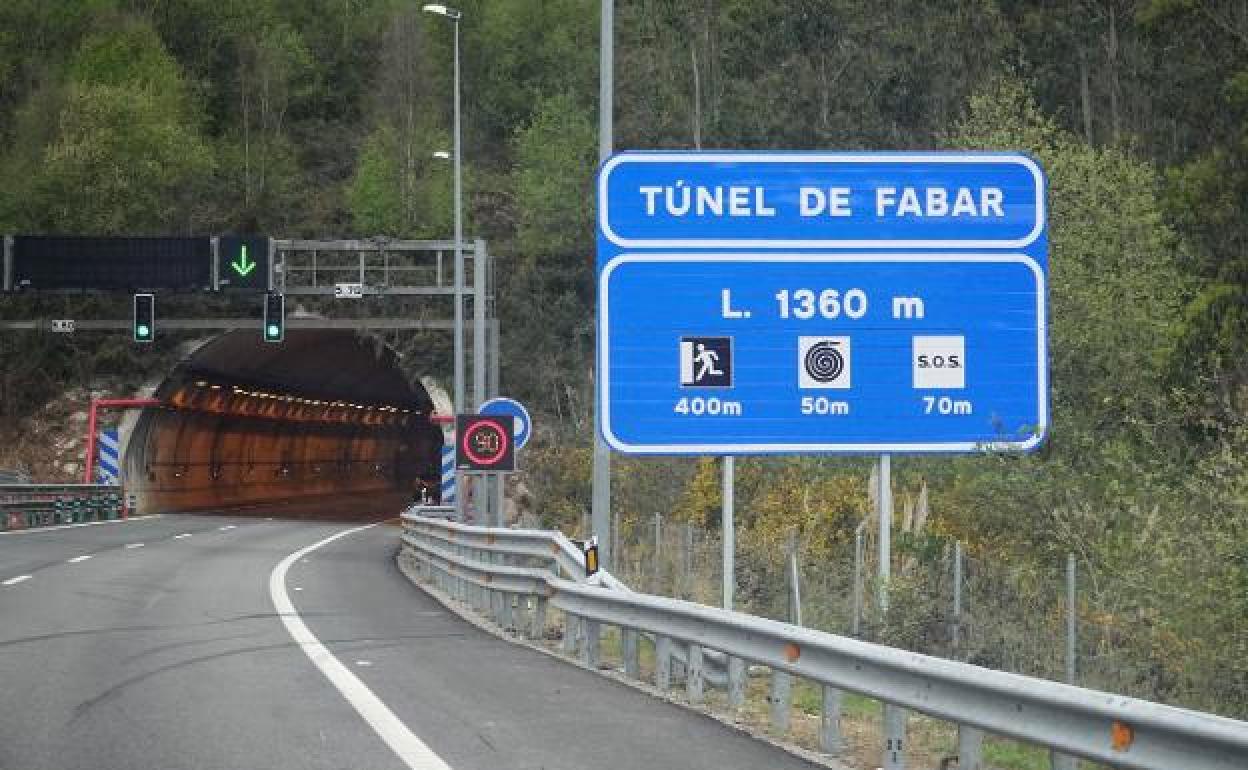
[(706, 362)]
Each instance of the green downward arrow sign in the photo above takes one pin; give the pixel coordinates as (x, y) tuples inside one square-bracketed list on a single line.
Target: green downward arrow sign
[(242, 265)]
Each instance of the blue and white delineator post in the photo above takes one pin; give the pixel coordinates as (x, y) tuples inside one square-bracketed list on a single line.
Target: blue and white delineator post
[(799, 302), (448, 475), (108, 460)]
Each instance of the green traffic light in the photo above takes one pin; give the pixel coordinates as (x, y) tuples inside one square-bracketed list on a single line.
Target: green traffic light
[(144, 331), (274, 332)]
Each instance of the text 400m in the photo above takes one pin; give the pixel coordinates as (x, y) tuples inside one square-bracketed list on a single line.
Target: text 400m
[(699, 406)]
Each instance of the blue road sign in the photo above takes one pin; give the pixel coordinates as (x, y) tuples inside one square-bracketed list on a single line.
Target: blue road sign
[(821, 303), (512, 408)]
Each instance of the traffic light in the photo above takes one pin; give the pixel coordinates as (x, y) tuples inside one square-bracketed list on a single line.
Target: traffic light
[(144, 317), (274, 317)]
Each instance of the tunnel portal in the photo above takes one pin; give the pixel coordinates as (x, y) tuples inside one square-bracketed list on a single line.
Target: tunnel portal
[(327, 414)]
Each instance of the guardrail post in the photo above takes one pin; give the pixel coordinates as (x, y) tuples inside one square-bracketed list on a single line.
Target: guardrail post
[(781, 700), (830, 722), (590, 650), (663, 663), (538, 629), (970, 742), (569, 634), (736, 683), (894, 737), (693, 674), (632, 652)]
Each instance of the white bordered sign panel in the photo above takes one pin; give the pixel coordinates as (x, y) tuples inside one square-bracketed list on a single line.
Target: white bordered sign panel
[(815, 347)]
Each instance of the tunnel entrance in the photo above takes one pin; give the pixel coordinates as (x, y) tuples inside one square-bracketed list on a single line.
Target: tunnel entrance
[(323, 422)]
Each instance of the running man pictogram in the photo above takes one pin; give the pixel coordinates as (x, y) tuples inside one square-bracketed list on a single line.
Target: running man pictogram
[(706, 362)]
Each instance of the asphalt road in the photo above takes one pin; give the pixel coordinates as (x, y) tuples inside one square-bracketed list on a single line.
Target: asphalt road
[(173, 655)]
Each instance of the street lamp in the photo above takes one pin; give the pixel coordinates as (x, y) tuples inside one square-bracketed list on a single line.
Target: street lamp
[(455, 15), (458, 404)]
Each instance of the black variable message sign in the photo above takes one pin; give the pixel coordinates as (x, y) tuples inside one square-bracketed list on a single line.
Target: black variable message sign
[(43, 262)]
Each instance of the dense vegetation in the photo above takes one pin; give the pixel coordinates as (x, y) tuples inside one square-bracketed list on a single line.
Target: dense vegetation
[(319, 117)]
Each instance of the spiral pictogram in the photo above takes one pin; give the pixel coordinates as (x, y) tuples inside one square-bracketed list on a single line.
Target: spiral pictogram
[(824, 363)]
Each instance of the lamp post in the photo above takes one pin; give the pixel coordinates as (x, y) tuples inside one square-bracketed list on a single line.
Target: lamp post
[(458, 405), (455, 15)]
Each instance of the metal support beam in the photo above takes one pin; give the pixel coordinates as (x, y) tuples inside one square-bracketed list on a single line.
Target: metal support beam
[(694, 674), (632, 653), (216, 263), (830, 722), (781, 699), (8, 263), (478, 323)]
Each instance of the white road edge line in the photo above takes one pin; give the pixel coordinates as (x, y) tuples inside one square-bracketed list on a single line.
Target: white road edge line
[(409, 748), (182, 536), (16, 580), (79, 559), (134, 545), (37, 530), (228, 527)]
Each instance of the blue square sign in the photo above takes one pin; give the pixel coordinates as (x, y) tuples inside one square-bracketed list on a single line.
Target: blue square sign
[(814, 302)]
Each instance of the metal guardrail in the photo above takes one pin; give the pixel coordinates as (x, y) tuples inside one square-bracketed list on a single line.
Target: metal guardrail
[(482, 566), (12, 476), (28, 506)]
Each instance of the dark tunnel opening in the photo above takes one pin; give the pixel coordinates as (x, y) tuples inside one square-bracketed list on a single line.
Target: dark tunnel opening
[(325, 416)]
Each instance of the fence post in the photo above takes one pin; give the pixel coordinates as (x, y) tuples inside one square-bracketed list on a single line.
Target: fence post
[(781, 700), (830, 721), (632, 652), (856, 628), (693, 674), (663, 663), (686, 563), (1062, 761), (955, 630), (657, 575), (795, 587), (894, 737)]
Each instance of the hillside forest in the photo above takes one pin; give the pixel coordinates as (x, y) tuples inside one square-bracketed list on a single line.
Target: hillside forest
[(319, 118)]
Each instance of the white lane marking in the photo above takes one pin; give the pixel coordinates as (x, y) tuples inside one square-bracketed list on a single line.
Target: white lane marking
[(79, 559), (182, 536), (227, 528), (409, 748), (37, 530), (364, 663), (16, 580), (134, 545)]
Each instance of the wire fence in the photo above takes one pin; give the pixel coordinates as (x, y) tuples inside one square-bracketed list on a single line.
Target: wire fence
[(940, 601)]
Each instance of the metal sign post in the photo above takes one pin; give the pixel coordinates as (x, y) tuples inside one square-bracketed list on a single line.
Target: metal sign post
[(729, 534), (600, 494)]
